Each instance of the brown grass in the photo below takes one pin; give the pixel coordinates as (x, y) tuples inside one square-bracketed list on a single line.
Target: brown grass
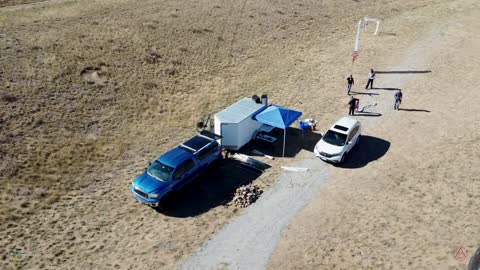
[(96, 87), (6, 3)]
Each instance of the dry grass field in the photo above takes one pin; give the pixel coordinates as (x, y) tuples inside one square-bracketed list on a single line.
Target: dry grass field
[(90, 91), (161, 66)]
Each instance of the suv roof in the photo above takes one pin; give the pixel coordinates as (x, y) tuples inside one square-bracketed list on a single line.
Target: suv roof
[(185, 150), (345, 122)]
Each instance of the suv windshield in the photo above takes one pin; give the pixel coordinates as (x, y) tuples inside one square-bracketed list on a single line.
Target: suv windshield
[(335, 138), (160, 171)]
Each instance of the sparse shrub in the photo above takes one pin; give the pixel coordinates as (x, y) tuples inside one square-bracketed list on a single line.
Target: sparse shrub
[(9, 98), (153, 57), (53, 198), (176, 62), (197, 31), (24, 204), (149, 85), (8, 165), (150, 26), (38, 123), (39, 193), (170, 71)]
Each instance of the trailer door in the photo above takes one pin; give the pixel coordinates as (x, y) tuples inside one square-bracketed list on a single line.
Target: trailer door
[(229, 133)]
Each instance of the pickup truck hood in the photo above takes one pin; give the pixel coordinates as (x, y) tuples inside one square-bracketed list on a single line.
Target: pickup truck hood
[(325, 147), (149, 184)]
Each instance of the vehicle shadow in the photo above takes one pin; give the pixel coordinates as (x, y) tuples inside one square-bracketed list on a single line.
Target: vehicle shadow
[(296, 141), (215, 188), (413, 110), (369, 149), (474, 263)]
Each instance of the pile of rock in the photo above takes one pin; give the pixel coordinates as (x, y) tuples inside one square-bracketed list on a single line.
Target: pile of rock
[(246, 195)]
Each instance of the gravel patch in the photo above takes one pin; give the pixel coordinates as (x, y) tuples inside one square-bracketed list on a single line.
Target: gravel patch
[(249, 240)]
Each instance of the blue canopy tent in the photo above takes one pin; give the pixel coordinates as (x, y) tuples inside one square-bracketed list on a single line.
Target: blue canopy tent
[(278, 117)]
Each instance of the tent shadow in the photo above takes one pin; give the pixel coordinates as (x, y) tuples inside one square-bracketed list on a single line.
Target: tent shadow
[(215, 188), (369, 149), (296, 141)]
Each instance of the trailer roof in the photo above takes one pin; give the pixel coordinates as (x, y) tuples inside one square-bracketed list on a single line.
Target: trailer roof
[(239, 110)]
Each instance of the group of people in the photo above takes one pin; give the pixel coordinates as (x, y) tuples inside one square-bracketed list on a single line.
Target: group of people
[(353, 103)]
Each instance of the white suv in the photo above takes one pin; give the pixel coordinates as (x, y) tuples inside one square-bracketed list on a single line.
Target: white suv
[(339, 140)]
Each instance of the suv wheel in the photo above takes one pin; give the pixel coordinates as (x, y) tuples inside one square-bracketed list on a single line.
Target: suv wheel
[(343, 158)]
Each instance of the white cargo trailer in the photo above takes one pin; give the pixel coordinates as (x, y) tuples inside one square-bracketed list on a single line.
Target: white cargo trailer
[(236, 124)]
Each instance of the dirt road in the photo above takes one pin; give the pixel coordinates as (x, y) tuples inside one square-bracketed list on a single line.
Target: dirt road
[(248, 241)]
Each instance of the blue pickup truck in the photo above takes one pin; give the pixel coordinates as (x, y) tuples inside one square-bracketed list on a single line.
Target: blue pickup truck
[(174, 169)]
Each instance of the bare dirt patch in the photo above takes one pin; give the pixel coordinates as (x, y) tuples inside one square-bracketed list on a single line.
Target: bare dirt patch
[(95, 75)]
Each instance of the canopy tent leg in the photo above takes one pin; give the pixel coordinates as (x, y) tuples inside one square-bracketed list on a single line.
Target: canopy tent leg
[(284, 136)]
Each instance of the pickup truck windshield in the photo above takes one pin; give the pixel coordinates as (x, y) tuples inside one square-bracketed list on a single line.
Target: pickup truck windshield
[(160, 171), (335, 138)]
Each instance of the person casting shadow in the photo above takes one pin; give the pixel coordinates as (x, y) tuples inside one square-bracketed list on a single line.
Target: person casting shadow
[(352, 104), (371, 77)]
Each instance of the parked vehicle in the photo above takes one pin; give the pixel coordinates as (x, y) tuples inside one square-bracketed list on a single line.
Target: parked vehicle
[(174, 169), (339, 140), (474, 263)]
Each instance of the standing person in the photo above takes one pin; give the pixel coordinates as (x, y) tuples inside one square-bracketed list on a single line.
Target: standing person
[(350, 83), (352, 103), (371, 77), (398, 100)]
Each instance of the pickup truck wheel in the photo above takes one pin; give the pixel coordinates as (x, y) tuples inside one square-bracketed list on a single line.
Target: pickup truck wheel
[(160, 207), (214, 164), (163, 202)]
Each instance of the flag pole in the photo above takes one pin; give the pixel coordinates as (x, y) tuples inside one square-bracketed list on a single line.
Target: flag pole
[(355, 51)]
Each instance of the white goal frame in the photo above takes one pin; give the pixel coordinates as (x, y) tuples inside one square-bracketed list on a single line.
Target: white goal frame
[(365, 23)]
